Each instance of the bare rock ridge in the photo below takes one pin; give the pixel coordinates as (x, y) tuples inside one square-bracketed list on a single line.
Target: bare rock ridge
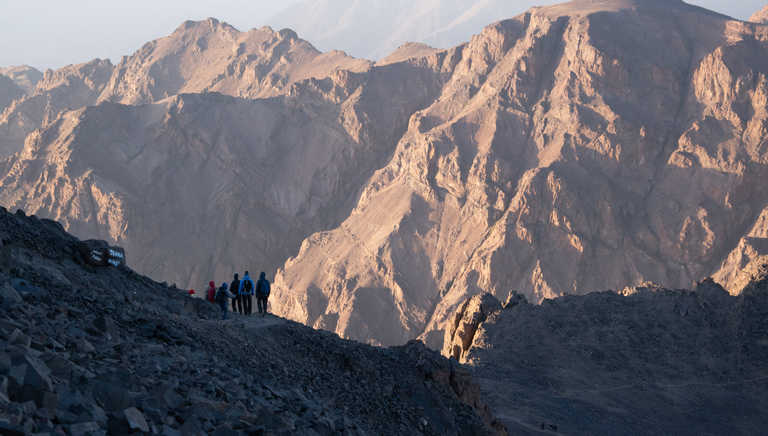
[(92, 350), (205, 56), (658, 361), (760, 16), (568, 152)]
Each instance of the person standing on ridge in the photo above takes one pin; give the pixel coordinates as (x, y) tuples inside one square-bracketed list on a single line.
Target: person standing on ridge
[(222, 295), (246, 293), (262, 293), (234, 288), (211, 294)]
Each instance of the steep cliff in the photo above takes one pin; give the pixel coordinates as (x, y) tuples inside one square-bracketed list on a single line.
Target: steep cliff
[(575, 147)]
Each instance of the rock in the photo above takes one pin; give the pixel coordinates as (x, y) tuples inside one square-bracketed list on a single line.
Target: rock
[(135, 419), (513, 299), (85, 347), (19, 338), (467, 320), (83, 428), (9, 297)]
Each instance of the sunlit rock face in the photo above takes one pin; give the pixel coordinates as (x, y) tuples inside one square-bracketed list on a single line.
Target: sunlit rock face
[(569, 152), (760, 16)]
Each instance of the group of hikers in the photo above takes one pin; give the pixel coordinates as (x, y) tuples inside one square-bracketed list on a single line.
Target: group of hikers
[(241, 293)]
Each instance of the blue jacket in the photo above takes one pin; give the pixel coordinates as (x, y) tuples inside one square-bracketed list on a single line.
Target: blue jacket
[(241, 291)]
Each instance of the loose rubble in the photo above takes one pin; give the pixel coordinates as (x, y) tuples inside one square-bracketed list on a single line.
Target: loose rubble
[(88, 350)]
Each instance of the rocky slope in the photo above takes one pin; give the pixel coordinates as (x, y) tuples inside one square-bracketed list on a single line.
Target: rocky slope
[(9, 92), (372, 29), (760, 16), (652, 361), (568, 152), (93, 350)]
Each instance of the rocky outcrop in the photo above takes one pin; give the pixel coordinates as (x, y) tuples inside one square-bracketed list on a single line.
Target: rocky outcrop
[(604, 363), (559, 158), (760, 16), (87, 350), (461, 333)]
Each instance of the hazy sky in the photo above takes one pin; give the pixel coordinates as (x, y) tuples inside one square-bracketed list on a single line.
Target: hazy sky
[(53, 33)]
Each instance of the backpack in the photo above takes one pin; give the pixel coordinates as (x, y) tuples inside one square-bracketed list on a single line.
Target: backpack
[(263, 288), (221, 295), (247, 287)]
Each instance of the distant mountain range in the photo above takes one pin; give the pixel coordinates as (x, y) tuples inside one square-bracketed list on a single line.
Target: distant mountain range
[(572, 148), (372, 29)]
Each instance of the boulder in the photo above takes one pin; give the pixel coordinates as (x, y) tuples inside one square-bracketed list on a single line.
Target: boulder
[(9, 297), (135, 419)]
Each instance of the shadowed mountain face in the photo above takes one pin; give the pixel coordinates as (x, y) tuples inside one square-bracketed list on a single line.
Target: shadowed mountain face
[(576, 147), (652, 361), (24, 76)]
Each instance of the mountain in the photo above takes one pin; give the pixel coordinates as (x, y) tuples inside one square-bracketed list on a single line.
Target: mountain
[(205, 56), (100, 350), (646, 361), (568, 152), (201, 185), (372, 29), (9, 92), (561, 151), (24, 76), (760, 16)]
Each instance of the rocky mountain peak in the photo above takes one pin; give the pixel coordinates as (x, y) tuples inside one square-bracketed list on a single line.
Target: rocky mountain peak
[(760, 16)]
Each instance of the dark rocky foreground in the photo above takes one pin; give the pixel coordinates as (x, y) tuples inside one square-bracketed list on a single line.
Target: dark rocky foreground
[(647, 360), (94, 350)]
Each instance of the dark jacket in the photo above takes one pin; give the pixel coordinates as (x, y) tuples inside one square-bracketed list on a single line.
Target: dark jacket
[(234, 287), (262, 286)]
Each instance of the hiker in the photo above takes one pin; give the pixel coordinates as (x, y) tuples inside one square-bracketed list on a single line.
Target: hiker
[(211, 294), (221, 297), (234, 288), (246, 293), (262, 293)]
